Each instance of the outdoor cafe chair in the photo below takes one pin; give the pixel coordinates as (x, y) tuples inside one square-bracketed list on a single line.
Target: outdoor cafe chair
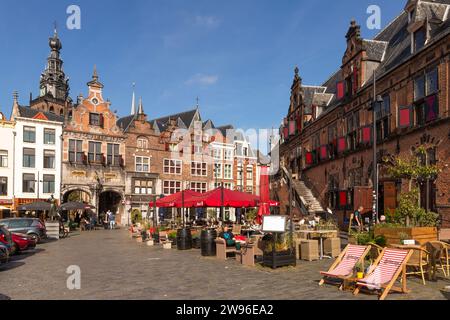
[(443, 258), (385, 271), (419, 262), (344, 265)]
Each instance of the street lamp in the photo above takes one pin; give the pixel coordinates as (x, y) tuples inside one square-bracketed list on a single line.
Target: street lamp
[(376, 105)]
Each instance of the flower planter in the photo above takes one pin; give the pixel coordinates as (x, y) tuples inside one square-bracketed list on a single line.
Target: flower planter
[(150, 243), (420, 234), (167, 245), (279, 259)]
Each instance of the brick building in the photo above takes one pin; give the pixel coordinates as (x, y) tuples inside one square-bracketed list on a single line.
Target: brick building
[(327, 133), (93, 162)]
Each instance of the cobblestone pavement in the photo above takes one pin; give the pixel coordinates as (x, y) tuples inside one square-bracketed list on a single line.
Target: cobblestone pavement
[(115, 267)]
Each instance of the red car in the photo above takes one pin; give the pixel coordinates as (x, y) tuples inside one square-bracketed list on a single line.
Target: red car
[(23, 241)]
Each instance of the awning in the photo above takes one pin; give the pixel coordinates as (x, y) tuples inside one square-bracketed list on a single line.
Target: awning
[(222, 197), (75, 206), (35, 206), (174, 200)]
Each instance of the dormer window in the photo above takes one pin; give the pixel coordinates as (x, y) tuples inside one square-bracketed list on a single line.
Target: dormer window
[(420, 37)]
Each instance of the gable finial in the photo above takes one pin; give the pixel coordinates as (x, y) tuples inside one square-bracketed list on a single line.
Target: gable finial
[(141, 107)]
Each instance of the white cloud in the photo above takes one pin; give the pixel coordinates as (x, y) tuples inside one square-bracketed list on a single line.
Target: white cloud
[(202, 79), (207, 21)]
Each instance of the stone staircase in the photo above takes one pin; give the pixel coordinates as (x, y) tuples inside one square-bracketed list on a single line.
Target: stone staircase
[(310, 201)]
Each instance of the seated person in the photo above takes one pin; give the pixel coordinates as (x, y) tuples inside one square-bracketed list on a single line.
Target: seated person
[(87, 223), (228, 236)]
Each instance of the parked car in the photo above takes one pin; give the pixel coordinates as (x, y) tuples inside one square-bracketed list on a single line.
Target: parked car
[(20, 241), (31, 241), (30, 226), (4, 253), (6, 240)]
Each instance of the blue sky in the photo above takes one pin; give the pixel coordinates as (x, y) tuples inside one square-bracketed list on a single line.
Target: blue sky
[(237, 56)]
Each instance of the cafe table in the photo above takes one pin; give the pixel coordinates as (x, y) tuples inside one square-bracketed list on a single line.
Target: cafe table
[(321, 235)]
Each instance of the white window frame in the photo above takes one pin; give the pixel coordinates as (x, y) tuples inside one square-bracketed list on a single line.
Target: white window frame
[(194, 186), (176, 188), (4, 155), (142, 143), (173, 163), (247, 172), (228, 154), (195, 167), (217, 153), (141, 163), (218, 173), (230, 166)]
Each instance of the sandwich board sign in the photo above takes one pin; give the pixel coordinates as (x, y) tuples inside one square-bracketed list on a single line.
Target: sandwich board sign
[(274, 224)]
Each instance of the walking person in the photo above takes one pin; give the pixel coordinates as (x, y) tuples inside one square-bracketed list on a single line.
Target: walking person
[(357, 216), (106, 221), (112, 220)]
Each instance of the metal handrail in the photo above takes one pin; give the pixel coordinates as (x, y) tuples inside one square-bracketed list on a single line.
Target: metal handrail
[(297, 198)]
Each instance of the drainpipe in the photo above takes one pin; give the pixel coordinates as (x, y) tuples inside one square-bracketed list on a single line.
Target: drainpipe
[(14, 165)]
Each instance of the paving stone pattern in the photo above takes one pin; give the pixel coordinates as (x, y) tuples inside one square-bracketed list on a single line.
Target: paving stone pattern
[(115, 267)]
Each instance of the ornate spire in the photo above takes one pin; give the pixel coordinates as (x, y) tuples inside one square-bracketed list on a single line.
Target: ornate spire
[(94, 82), (133, 101), (53, 80), (141, 107), (354, 31), (297, 77)]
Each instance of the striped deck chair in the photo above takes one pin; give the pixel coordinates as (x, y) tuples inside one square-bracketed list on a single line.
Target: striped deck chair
[(344, 265), (385, 271)]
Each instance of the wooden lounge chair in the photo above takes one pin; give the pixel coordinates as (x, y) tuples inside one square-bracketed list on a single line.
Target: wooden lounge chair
[(222, 250), (344, 265), (385, 271)]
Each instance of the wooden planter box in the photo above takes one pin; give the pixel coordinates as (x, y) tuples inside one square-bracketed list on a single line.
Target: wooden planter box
[(279, 259), (420, 234)]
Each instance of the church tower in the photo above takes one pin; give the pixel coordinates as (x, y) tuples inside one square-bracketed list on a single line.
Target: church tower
[(54, 85), (53, 80)]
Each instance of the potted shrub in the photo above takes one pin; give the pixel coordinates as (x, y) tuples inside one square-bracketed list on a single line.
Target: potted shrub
[(409, 218), (172, 235), (359, 268), (196, 240), (279, 253), (409, 221)]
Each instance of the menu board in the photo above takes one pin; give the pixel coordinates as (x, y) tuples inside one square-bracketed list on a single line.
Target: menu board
[(274, 224)]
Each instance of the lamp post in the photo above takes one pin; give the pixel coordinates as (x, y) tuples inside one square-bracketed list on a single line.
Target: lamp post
[(376, 105)]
